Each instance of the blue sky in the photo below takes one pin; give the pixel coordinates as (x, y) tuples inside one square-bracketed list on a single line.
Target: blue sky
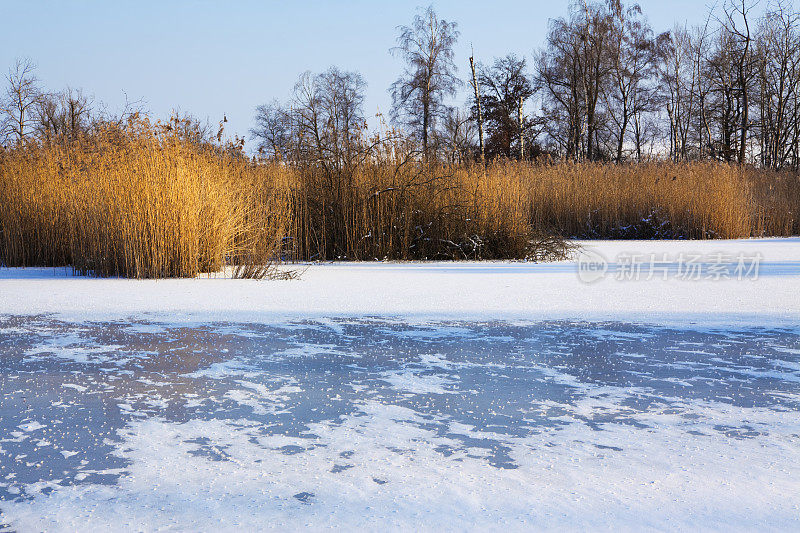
[(210, 58)]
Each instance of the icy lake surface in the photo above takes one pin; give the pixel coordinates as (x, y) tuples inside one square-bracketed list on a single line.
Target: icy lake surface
[(373, 423)]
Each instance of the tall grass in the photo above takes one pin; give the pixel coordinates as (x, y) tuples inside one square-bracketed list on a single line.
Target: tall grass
[(137, 203), (661, 200), (407, 212), (142, 202)]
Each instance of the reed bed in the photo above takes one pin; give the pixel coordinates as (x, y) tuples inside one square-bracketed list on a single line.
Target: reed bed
[(141, 202), (661, 200), (383, 211), (138, 203)]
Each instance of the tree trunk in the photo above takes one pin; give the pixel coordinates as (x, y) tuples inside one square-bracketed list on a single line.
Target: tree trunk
[(425, 111), (480, 110), (521, 139)]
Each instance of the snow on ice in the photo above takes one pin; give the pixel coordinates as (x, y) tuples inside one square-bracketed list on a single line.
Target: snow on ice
[(425, 396)]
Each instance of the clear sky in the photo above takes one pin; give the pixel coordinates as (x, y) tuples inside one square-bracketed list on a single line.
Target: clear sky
[(210, 58)]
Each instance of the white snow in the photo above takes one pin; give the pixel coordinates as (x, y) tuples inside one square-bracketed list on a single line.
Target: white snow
[(422, 290), (662, 481), (379, 465), (31, 426), (418, 383)]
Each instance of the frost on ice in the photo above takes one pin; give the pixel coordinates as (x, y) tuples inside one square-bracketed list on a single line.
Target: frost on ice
[(377, 422)]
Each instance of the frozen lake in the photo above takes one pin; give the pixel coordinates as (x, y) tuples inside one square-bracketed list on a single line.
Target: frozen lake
[(415, 396), (377, 422)]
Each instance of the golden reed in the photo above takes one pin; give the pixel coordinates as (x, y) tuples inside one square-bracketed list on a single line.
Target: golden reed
[(140, 202), (136, 203)]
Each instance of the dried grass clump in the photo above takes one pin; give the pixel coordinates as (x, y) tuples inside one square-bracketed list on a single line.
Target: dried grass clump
[(546, 247), (395, 210), (137, 202), (660, 200)]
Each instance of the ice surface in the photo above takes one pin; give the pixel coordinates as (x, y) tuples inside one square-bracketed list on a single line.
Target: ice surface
[(441, 426), (423, 396)]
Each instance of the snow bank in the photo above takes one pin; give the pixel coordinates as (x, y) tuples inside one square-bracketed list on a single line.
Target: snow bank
[(422, 290)]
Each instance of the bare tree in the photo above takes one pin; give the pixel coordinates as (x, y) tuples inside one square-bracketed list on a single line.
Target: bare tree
[(573, 70), (78, 109), (63, 117), (632, 65), (777, 44), (272, 130), (323, 124), (558, 74), (22, 95), (725, 92), (429, 75), (458, 132), (594, 32), (327, 116), (506, 86), (679, 77), (736, 24), (343, 103), (478, 107)]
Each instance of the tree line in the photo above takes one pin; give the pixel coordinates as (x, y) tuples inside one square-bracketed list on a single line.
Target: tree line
[(603, 87), (31, 114)]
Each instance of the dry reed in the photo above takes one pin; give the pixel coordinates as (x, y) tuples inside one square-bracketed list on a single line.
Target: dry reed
[(139, 202), (406, 212)]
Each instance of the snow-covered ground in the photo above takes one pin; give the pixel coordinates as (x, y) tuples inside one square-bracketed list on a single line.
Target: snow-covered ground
[(466, 290), (639, 392)]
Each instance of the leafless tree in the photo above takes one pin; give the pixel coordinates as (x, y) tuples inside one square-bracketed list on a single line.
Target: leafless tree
[(777, 51), (478, 107), (573, 70), (506, 86), (558, 75), (273, 130), (631, 71), (594, 26), (429, 74), (22, 96), (458, 133), (679, 75), (64, 117), (327, 116), (725, 105), (737, 25)]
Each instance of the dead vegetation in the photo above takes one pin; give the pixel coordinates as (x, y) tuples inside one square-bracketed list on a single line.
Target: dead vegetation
[(140, 201)]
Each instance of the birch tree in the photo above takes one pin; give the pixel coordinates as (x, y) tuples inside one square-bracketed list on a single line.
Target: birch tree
[(429, 75)]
